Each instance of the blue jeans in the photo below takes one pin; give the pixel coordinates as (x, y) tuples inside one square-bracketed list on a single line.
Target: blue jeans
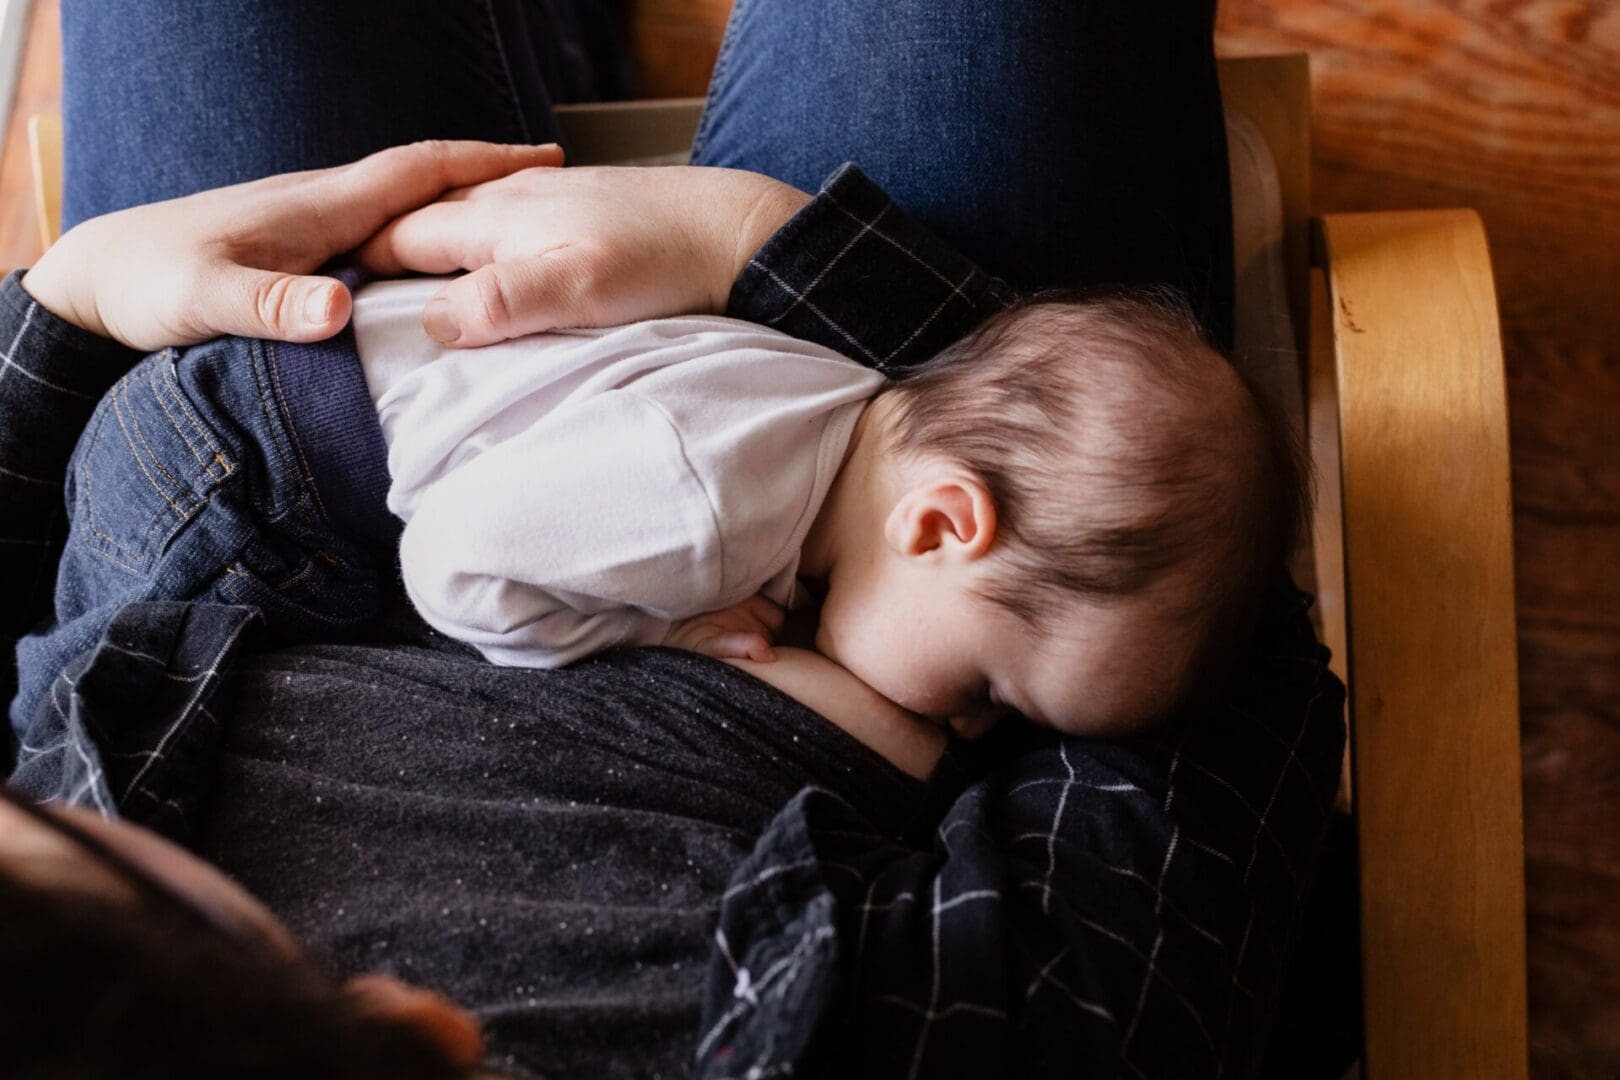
[(162, 98), (189, 484), (1053, 141)]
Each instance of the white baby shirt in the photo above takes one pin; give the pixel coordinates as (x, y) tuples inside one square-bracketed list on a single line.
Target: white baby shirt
[(570, 491)]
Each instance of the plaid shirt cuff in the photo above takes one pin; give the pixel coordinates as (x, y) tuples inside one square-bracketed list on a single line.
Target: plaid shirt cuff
[(81, 361), (52, 374), (852, 272)]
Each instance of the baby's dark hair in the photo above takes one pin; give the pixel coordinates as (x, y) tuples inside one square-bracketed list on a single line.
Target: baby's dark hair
[(1183, 474)]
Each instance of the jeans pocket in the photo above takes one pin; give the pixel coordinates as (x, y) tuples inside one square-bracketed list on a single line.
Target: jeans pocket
[(306, 595), (143, 468)]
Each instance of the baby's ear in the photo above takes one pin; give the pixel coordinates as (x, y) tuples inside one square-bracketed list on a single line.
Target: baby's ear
[(948, 516)]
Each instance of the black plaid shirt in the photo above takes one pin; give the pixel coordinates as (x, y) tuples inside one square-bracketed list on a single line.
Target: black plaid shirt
[(1082, 908)]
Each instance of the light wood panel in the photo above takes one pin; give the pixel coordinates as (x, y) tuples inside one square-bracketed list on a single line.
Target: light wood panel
[(1434, 701), (1275, 93), (1513, 107), (38, 91), (45, 161)]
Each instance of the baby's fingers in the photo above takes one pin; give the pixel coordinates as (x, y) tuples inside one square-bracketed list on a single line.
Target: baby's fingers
[(765, 611), (738, 645)]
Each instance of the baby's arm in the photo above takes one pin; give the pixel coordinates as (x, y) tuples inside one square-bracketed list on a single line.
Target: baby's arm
[(909, 742)]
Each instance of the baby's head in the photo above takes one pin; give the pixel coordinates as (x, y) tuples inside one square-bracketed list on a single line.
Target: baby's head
[(1072, 513)]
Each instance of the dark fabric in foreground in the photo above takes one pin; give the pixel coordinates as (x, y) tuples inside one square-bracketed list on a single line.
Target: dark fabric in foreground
[(547, 851), (554, 848)]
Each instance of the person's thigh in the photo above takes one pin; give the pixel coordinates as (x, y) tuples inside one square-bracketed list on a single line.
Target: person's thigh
[(1054, 141), (162, 98)]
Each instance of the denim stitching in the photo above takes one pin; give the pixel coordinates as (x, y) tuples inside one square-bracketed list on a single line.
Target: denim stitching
[(308, 474), (160, 390), (263, 354), (87, 483), (217, 452), (717, 76), (234, 590), (258, 351), (133, 422)]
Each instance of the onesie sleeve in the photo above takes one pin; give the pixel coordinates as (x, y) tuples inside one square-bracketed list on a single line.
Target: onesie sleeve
[(588, 530)]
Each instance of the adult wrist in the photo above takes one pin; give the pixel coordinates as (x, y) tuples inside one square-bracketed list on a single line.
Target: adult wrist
[(93, 358), (770, 205), (50, 285)]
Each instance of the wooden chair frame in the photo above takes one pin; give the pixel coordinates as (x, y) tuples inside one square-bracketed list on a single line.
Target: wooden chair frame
[(1413, 563)]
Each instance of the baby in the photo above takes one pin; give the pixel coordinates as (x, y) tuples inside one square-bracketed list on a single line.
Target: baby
[(1070, 514)]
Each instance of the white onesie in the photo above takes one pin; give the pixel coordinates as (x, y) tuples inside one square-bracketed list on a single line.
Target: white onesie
[(570, 491)]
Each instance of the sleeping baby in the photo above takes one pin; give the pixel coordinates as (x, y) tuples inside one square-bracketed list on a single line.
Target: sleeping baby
[(1069, 515)]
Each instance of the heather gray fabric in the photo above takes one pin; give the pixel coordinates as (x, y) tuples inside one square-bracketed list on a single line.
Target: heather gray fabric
[(547, 848)]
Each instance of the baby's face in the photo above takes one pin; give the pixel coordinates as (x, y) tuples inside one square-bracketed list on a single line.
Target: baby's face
[(923, 638)]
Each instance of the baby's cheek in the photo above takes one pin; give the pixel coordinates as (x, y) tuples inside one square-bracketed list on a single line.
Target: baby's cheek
[(914, 686), (886, 658)]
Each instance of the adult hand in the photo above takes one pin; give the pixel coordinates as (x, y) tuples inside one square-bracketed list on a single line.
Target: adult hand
[(238, 260), (583, 247)]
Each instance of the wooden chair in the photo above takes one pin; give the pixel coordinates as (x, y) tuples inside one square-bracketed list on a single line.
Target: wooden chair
[(1411, 558)]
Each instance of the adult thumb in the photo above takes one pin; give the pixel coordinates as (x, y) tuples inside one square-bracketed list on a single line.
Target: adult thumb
[(508, 299), (281, 307)]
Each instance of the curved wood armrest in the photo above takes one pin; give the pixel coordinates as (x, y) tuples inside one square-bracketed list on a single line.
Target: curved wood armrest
[(1434, 678)]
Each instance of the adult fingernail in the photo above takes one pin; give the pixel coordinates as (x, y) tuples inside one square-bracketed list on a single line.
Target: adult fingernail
[(318, 306), (440, 321)]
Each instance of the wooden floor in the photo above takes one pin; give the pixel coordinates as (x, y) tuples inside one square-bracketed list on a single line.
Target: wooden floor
[(1512, 107)]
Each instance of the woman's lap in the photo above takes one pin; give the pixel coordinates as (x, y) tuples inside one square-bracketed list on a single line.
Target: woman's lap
[(1053, 142), (165, 97)]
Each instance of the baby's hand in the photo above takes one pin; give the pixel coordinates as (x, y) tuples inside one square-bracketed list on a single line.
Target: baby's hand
[(741, 632)]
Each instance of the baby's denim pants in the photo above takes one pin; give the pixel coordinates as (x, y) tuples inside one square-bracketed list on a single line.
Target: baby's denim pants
[(193, 481)]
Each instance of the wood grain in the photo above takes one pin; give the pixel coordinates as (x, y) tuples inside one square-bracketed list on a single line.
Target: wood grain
[(45, 167), (1514, 108), (1434, 699), (39, 90)]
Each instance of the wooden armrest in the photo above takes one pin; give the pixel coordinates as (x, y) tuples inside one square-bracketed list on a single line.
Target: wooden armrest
[(1433, 669), (45, 161)]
